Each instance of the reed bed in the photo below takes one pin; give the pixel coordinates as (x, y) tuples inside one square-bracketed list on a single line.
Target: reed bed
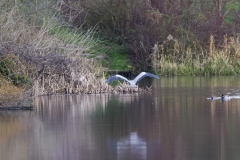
[(170, 58)]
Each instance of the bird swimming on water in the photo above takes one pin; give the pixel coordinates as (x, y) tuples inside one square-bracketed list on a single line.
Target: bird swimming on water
[(215, 98), (225, 97), (134, 81)]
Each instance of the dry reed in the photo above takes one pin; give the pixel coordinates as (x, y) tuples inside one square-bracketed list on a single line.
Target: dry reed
[(169, 58)]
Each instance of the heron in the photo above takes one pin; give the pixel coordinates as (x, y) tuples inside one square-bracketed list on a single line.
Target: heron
[(134, 81)]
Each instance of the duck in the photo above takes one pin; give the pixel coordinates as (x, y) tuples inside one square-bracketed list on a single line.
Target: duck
[(225, 97), (214, 97)]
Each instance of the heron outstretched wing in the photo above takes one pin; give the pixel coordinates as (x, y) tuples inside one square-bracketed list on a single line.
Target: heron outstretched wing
[(117, 77), (144, 74)]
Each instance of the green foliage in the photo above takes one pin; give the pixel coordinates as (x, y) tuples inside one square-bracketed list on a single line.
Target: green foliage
[(114, 56), (9, 69), (233, 9), (118, 58)]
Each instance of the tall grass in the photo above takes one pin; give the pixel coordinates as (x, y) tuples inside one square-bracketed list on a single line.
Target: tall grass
[(46, 34), (170, 59)]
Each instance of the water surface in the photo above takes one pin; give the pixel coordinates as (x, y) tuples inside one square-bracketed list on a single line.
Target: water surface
[(175, 121)]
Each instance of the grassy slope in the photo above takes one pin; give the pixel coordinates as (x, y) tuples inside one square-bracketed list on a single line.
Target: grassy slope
[(115, 56)]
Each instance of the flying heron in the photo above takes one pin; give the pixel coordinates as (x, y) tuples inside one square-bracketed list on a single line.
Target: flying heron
[(134, 81)]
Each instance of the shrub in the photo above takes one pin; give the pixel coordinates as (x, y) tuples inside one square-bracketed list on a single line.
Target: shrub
[(12, 69)]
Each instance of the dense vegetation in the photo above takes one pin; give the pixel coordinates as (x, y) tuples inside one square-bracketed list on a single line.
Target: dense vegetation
[(176, 33)]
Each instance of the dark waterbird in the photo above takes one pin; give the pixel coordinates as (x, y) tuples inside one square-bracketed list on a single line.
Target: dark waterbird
[(225, 97), (133, 82)]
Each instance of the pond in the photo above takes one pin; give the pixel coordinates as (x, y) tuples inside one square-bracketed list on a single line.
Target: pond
[(174, 121)]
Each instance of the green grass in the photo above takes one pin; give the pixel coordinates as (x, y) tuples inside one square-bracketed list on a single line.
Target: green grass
[(118, 58), (112, 56)]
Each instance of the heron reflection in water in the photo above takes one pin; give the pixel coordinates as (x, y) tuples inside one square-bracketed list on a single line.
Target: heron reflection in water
[(131, 146)]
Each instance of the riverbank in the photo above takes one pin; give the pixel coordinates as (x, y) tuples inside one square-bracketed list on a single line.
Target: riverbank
[(42, 53)]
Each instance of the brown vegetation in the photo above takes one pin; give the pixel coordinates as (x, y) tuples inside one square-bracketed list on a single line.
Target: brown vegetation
[(8, 91)]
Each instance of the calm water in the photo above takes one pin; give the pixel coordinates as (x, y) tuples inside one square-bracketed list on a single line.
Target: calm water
[(174, 122)]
